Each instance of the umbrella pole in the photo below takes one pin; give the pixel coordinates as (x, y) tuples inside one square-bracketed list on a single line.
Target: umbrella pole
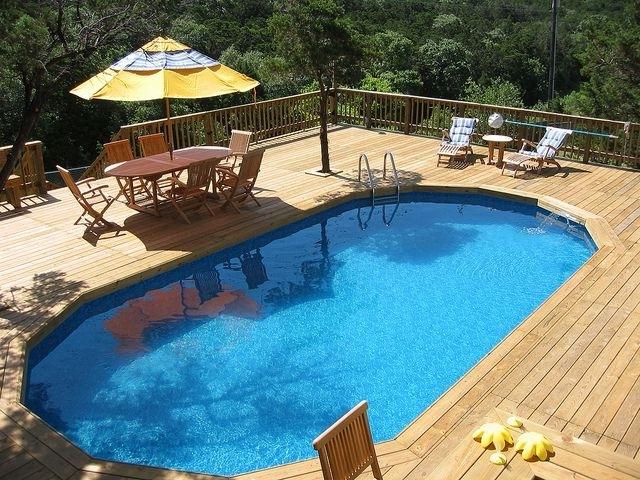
[(167, 109)]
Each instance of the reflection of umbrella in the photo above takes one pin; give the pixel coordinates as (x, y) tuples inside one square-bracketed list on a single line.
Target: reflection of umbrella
[(164, 68), (172, 304)]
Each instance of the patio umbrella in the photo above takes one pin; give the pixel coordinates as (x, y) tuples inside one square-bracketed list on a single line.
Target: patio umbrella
[(164, 69)]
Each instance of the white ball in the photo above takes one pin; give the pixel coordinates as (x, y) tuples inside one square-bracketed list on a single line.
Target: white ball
[(495, 120)]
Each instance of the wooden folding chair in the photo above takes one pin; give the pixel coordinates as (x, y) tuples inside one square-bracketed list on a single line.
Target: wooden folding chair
[(118, 152), (153, 144), (88, 199), (199, 177), (239, 146), (346, 447), (237, 187)]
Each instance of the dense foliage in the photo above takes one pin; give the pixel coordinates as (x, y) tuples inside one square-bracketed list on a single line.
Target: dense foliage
[(490, 51)]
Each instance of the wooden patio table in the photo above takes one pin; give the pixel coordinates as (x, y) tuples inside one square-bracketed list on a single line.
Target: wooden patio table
[(153, 167)]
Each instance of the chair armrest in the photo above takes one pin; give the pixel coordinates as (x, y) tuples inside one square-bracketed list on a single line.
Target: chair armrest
[(445, 134), (95, 189), (528, 143), (85, 180), (225, 172)]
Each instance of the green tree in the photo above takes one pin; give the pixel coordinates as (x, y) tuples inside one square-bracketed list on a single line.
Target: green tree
[(41, 42), (497, 92), (317, 40), (610, 59), (444, 67)]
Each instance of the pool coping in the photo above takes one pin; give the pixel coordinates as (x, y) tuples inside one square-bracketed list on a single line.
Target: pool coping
[(405, 447)]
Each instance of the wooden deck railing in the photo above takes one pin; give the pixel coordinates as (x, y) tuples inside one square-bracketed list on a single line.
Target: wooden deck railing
[(402, 113), (30, 169), (267, 119), (429, 116)]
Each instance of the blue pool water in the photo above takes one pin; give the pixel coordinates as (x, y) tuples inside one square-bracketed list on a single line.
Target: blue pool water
[(237, 361)]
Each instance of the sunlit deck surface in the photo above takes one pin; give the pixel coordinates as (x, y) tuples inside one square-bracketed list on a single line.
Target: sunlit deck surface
[(572, 366)]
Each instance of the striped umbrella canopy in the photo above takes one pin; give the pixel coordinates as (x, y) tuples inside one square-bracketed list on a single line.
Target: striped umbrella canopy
[(164, 69)]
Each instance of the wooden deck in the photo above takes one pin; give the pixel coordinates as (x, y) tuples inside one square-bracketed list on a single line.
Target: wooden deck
[(572, 366)]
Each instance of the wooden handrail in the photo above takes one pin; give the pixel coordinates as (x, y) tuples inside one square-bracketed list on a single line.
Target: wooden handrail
[(429, 116), (408, 114)]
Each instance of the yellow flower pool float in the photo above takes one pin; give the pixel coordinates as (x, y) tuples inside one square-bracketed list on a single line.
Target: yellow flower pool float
[(534, 444), (493, 433)]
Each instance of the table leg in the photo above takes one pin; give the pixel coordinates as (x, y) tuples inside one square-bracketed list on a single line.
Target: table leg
[(154, 189), (132, 198), (500, 154), (490, 159)]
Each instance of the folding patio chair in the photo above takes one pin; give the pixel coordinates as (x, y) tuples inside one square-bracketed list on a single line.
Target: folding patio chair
[(236, 188), (346, 447), (239, 146), (118, 152), (199, 178), (88, 199), (153, 144)]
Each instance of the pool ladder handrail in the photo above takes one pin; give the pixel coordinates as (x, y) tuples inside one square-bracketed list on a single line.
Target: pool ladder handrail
[(392, 161), (372, 182)]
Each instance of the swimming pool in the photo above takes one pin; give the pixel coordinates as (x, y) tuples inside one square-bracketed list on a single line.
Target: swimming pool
[(237, 361)]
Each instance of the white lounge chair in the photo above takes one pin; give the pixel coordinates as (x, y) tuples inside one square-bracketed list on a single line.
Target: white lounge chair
[(457, 141), (539, 154)]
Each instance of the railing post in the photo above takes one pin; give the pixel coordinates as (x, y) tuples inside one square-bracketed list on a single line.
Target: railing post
[(367, 110), (407, 115), (208, 130), (587, 150)]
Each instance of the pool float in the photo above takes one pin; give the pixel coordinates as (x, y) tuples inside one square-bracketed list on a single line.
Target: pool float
[(534, 444), (493, 433)]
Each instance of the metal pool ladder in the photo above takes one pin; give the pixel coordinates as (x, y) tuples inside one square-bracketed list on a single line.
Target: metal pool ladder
[(383, 200)]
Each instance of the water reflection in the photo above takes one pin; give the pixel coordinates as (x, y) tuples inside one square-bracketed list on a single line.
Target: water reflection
[(198, 296)]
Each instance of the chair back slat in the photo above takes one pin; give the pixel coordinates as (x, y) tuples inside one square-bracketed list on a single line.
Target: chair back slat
[(239, 142), (118, 151), (153, 144), (200, 175), (461, 130), (346, 448), (250, 166)]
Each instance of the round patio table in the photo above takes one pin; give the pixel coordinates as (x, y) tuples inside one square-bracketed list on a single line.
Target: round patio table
[(499, 142), (151, 168)]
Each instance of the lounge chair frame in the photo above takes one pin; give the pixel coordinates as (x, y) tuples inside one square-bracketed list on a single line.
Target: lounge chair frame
[(450, 148), (522, 157), (346, 448)]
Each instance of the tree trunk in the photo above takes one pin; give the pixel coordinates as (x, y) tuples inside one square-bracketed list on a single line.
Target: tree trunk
[(324, 139), (29, 118)]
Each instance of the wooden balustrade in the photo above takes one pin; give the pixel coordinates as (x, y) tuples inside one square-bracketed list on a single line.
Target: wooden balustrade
[(429, 116), (30, 169), (402, 113)]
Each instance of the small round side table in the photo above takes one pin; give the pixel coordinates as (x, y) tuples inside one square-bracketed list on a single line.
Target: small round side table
[(499, 142)]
